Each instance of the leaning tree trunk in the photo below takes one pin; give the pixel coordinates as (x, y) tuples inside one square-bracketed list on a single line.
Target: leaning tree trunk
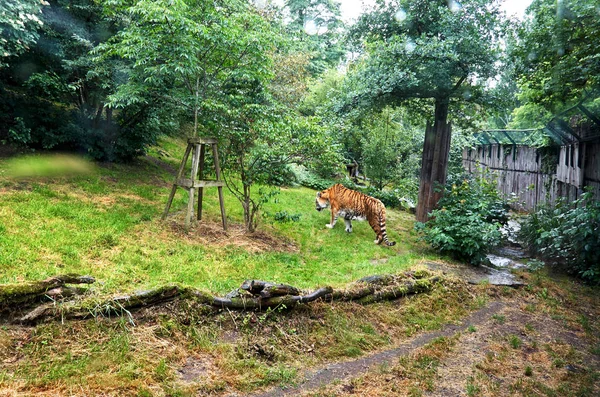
[(434, 168)]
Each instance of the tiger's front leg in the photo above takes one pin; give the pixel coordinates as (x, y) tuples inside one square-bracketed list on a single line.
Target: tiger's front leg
[(334, 217)]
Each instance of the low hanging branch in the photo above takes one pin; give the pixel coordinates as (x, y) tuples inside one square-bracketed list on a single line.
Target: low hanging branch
[(252, 295)]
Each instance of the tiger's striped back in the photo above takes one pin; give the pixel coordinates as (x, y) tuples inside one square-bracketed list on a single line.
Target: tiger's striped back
[(353, 205)]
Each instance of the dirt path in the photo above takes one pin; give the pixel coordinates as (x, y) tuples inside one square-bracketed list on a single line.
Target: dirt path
[(511, 347), (541, 341), (348, 369), (497, 354)]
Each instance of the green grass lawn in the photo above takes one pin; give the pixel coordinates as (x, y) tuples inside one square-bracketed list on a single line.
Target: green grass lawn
[(105, 222)]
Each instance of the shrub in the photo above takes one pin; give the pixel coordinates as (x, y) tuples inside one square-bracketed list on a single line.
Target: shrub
[(390, 198), (308, 179), (567, 233), (280, 175), (467, 221), (284, 217)]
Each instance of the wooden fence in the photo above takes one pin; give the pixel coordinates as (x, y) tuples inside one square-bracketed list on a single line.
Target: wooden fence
[(529, 176)]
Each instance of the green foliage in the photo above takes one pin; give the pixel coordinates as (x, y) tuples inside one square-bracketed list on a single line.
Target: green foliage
[(568, 234), (386, 144), (515, 341), (390, 147), (185, 52), (19, 20), (426, 49), (59, 75), (315, 182), (19, 133), (284, 216), (556, 59), (261, 141), (529, 115), (499, 318), (467, 221), (315, 26)]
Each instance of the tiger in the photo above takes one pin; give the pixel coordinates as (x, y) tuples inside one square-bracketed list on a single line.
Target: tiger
[(352, 205)]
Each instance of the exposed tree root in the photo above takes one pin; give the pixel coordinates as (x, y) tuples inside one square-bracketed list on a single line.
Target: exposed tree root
[(38, 301)]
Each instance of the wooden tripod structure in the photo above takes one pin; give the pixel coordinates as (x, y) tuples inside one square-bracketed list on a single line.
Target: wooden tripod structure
[(197, 146)]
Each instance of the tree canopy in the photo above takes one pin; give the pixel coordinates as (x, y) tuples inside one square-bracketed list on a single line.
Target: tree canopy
[(557, 56), (427, 49), (19, 20)]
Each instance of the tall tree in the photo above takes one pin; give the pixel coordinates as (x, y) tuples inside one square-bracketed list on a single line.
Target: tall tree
[(190, 46), (438, 52), (213, 60), (558, 53)]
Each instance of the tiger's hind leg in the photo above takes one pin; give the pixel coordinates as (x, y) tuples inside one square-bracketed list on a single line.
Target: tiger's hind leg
[(348, 223), (375, 226)]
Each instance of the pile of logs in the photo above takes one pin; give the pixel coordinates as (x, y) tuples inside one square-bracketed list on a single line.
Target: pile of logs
[(54, 298)]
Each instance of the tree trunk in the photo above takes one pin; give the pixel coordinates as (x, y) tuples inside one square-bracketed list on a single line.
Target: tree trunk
[(434, 166)]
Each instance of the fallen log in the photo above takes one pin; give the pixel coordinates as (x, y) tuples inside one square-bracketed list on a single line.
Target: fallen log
[(252, 295), (266, 289), (51, 288), (288, 301), (392, 289)]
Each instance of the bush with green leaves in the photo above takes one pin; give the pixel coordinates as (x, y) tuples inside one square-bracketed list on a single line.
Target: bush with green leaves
[(284, 217), (390, 198), (315, 182), (467, 221), (568, 234)]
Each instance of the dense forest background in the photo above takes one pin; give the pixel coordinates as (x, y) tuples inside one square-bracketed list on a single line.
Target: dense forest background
[(288, 84)]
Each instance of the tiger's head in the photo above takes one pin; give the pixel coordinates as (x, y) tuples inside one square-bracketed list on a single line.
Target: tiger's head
[(322, 200)]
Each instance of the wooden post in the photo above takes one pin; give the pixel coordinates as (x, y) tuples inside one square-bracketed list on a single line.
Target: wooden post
[(196, 181), (200, 177), (220, 188), (179, 175), (192, 188)]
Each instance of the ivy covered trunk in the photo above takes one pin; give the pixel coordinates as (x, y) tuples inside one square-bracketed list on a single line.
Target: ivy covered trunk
[(434, 166)]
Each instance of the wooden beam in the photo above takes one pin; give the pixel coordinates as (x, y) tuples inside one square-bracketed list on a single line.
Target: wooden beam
[(188, 183), (202, 141), (201, 177)]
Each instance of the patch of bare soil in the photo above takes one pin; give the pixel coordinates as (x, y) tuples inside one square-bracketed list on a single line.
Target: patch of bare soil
[(208, 232), (195, 368), (516, 347)]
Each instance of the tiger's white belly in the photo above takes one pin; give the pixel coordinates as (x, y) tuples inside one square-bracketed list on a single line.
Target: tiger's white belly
[(350, 215)]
